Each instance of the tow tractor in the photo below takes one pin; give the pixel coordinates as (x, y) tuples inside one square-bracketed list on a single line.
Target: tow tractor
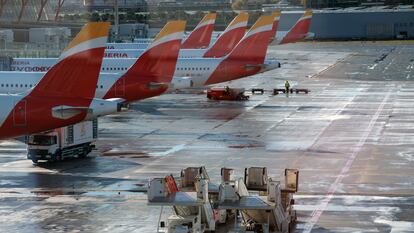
[(256, 203), (226, 93)]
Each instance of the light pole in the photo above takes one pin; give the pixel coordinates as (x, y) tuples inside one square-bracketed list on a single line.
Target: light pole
[(116, 19)]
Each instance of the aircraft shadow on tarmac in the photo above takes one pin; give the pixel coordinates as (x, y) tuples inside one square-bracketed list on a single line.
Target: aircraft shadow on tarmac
[(88, 166), (56, 181), (70, 175), (146, 108)]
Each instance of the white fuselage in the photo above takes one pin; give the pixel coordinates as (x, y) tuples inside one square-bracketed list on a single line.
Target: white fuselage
[(141, 44), (184, 53), (18, 82), (199, 69), (188, 72), (135, 53), (131, 50)]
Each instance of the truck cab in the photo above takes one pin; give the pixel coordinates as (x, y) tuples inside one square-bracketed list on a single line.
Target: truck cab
[(42, 146)]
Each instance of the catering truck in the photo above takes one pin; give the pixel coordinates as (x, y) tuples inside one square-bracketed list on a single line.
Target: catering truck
[(68, 142)]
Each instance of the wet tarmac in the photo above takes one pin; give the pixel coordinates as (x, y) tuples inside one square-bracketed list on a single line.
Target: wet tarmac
[(351, 137)]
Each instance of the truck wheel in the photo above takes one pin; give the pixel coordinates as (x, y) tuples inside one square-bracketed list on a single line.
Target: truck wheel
[(84, 153), (58, 156), (34, 161)]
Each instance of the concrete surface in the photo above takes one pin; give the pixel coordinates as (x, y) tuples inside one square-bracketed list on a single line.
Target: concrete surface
[(351, 137)]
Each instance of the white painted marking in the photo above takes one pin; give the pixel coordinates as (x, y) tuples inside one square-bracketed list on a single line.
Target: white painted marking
[(316, 214), (372, 67), (353, 208), (170, 151), (396, 226)]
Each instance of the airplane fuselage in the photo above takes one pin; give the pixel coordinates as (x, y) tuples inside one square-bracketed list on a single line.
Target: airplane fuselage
[(199, 69)]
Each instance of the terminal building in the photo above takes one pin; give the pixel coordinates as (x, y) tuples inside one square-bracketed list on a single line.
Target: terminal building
[(366, 23), (362, 22), (17, 11)]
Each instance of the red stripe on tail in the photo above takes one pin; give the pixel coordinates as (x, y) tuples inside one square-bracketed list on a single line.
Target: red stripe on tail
[(226, 42), (297, 32), (199, 38), (154, 66), (70, 82), (245, 59), (77, 76)]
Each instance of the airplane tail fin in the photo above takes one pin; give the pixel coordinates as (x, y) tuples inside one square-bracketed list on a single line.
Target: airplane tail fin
[(77, 70), (300, 30), (253, 47), (276, 15), (154, 68), (158, 61), (230, 37), (247, 58), (200, 37)]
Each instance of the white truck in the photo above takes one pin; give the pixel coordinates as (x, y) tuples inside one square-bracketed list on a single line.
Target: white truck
[(71, 141)]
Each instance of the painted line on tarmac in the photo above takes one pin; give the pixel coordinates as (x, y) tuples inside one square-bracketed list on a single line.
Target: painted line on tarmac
[(316, 214), (170, 151)]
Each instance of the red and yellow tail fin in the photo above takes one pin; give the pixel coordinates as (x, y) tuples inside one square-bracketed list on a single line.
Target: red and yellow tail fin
[(276, 15), (248, 56), (300, 30), (156, 66), (253, 46), (200, 37), (230, 37), (160, 58), (77, 71)]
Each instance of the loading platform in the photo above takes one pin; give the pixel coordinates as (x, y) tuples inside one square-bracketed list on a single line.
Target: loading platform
[(255, 203)]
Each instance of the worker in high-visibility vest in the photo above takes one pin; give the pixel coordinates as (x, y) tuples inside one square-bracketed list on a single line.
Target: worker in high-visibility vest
[(287, 86)]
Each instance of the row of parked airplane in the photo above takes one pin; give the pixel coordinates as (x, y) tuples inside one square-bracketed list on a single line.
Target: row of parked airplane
[(199, 47), (77, 87)]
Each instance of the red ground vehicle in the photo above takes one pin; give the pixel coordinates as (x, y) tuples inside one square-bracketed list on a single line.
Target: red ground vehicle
[(226, 94)]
